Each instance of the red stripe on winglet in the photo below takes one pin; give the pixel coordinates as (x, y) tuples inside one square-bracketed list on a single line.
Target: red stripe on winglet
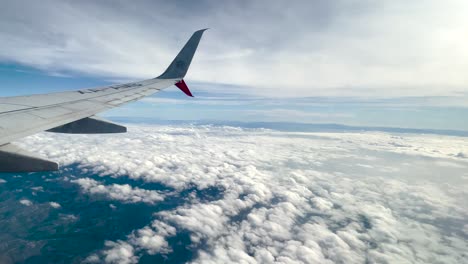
[(184, 88)]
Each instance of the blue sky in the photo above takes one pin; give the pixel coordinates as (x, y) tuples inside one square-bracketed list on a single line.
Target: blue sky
[(310, 62), (211, 105)]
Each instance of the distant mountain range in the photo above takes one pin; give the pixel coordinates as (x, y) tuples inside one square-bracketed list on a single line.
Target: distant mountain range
[(295, 127)]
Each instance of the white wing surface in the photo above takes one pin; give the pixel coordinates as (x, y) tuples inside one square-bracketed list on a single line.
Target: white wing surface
[(73, 112)]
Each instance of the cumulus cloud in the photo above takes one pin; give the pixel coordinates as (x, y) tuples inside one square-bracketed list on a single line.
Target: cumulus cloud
[(55, 205), (124, 193), (285, 197), (341, 47), (26, 202), (153, 238), (119, 253), (2, 181), (92, 259)]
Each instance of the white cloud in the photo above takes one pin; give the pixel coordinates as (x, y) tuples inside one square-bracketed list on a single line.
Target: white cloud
[(92, 259), (2, 181), (119, 253), (285, 196), (26, 202), (38, 188), (465, 229), (286, 115), (124, 193), (152, 238), (55, 205), (340, 48)]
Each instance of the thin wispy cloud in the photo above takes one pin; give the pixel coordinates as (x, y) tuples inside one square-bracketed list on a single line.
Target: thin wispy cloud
[(302, 48)]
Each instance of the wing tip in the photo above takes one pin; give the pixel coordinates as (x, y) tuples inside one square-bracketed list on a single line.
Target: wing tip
[(181, 63), (184, 88)]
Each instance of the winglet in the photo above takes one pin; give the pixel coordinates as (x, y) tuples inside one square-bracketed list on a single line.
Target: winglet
[(179, 66), (183, 87)]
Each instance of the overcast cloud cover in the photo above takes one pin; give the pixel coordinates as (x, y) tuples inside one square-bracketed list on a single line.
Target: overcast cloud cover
[(306, 48), (284, 197)]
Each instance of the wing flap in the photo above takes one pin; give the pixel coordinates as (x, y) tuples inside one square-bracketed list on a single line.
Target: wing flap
[(15, 159), (89, 125)]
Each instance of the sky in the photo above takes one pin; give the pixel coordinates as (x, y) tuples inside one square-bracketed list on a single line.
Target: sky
[(364, 63)]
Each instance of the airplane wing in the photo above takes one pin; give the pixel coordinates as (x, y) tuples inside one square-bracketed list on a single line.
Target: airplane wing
[(73, 112)]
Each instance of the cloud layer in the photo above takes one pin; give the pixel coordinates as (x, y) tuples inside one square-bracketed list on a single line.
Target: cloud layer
[(119, 192), (284, 197), (306, 48)]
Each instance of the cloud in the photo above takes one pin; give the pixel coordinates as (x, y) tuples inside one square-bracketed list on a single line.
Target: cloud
[(55, 205), (38, 188), (289, 197), (305, 48), (285, 115), (152, 239), (26, 202), (92, 259), (119, 252), (2, 181), (124, 193)]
